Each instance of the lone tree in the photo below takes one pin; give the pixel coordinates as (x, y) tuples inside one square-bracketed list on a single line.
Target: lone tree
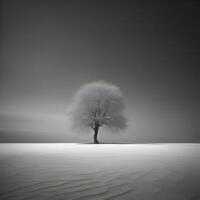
[(98, 104)]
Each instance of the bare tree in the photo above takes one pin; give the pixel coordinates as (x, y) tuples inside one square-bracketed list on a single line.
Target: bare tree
[(98, 104)]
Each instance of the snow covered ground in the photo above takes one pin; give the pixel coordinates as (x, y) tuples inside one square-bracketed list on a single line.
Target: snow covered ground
[(100, 172)]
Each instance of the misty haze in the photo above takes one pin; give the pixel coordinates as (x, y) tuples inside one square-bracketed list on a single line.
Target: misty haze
[(99, 100)]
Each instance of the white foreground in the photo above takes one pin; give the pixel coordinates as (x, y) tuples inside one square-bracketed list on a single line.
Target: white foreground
[(100, 172)]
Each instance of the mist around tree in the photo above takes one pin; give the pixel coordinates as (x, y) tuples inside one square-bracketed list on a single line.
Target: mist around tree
[(97, 105)]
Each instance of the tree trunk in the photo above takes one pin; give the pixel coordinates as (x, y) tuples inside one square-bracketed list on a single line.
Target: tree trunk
[(95, 135)]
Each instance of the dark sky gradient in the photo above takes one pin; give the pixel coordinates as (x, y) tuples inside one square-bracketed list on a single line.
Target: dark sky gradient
[(149, 49)]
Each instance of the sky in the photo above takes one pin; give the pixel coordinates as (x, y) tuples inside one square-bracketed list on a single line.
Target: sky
[(150, 49)]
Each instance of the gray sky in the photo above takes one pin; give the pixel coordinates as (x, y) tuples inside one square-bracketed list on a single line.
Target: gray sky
[(150, 50)]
